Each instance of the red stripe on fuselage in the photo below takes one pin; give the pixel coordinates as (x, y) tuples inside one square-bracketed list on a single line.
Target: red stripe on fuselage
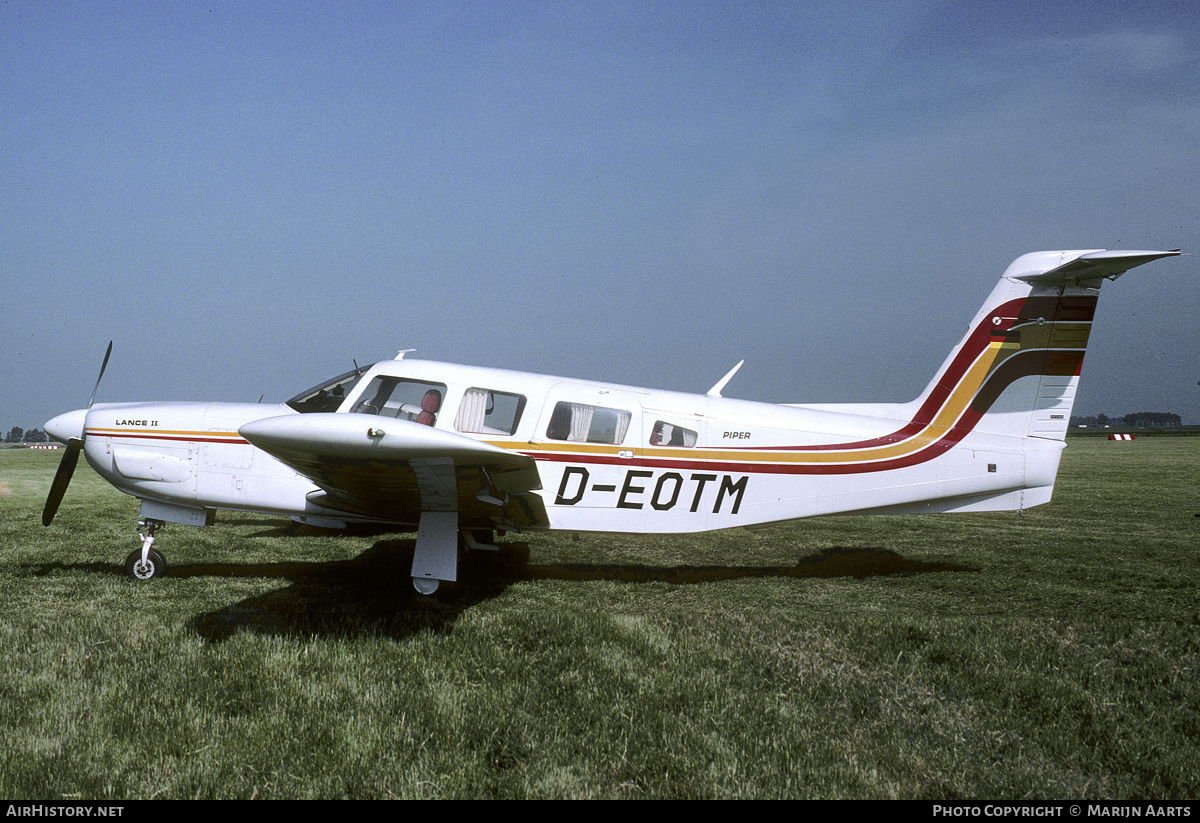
[(168, 437), (1066, 362)]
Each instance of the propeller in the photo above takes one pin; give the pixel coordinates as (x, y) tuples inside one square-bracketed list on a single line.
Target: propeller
[(70, 422), (62, 479), (103, 366)]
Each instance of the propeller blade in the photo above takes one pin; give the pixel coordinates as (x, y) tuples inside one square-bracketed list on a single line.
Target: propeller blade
[(103, 366), (70, 459), (62, 479)]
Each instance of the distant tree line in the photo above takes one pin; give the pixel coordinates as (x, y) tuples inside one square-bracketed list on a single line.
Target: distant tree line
[(18, 435), (1135, 420)]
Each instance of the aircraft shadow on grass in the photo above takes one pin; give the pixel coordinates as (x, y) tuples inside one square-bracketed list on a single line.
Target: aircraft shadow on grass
[(369, 594)]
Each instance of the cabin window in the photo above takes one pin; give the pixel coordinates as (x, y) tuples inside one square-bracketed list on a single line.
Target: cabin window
[(484, 411), (668, 434), (403, 399), (588, 424), (327, 396)]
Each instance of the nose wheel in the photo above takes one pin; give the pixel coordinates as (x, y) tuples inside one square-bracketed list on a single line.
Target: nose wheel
[(146, 563), (139, 568)]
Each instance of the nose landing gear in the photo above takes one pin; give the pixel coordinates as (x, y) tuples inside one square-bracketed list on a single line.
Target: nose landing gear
[(146, 563)]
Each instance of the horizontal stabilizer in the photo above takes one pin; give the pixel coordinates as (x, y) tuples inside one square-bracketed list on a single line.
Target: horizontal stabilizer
[(1079, 268)]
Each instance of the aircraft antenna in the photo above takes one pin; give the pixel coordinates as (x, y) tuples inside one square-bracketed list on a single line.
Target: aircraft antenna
[(715, 391)]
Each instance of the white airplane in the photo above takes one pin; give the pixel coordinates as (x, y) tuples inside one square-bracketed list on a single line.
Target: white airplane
[(463, 452)]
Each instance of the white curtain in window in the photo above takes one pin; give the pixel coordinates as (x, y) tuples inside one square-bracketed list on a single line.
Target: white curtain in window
[(581, 421), (622, 426), (472, 411)]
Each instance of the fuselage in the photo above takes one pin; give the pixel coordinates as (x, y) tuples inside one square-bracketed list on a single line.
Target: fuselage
[(609, 458)]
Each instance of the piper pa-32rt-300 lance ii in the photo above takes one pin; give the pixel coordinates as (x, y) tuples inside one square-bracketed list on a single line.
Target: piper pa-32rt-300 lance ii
[(461, 452)]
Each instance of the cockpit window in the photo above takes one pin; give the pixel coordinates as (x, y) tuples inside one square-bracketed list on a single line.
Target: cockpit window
[(402, 399), (327, 396)]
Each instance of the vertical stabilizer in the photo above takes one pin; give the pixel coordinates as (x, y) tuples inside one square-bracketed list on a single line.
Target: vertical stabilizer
[(1016, 371)]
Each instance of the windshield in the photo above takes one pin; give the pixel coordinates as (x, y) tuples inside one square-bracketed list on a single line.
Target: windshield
[(327, 396)]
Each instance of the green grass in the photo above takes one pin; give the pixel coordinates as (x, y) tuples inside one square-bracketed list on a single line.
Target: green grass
[(1049, 654)]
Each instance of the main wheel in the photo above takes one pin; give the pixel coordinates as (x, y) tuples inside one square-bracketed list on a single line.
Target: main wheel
[(154, 566), (425, 585)]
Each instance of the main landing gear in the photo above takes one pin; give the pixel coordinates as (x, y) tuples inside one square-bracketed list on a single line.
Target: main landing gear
[(146, 563), (438, 544), (425, 585)]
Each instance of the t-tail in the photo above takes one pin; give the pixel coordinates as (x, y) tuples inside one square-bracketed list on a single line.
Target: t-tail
[(1016, 371), (1009, 385)]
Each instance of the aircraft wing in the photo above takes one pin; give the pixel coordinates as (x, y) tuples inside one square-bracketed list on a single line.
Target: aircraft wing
[(394, 470)]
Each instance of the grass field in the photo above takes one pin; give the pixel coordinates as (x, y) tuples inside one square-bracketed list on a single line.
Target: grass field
[(1050, 654)]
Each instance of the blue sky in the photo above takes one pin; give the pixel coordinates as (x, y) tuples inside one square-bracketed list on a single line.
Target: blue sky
[(246, 196)]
